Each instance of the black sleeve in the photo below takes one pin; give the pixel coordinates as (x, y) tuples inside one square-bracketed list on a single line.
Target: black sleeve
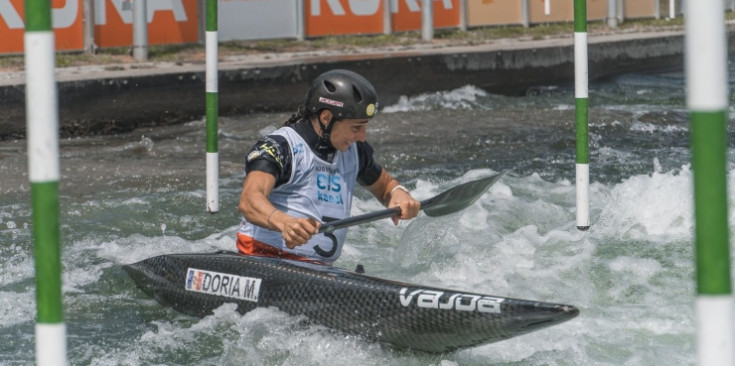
[(369, 168), (271, 154)]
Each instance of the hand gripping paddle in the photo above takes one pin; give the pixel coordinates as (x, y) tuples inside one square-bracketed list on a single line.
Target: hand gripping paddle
[(445, 203)]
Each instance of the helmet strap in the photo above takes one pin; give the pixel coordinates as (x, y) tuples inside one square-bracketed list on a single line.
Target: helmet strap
[(326, 131)]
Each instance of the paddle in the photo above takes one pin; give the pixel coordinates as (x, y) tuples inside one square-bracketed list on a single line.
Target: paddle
[(445, 203)]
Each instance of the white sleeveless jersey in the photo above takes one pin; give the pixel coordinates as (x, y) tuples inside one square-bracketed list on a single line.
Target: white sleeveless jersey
[(316, 189)]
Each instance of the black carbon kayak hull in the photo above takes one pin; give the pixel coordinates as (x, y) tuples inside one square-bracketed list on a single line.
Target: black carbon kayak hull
[(403, 315)]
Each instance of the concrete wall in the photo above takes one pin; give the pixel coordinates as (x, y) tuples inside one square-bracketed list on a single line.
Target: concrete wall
[(115, 104)]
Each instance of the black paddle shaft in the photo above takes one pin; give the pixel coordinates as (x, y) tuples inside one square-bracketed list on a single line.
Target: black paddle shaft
[(447, 202)]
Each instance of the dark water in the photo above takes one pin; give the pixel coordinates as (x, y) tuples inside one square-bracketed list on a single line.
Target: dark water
[(128, 197)]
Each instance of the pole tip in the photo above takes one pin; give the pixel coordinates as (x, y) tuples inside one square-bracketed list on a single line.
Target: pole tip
[(583, 228)]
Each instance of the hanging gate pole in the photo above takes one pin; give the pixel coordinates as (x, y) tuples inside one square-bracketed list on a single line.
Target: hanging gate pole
[(212, 108), (581, 112)]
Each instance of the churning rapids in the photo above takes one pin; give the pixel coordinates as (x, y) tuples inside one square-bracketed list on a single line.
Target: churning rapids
[(128, 197)]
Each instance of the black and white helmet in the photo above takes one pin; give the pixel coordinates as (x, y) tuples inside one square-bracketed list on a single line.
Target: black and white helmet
[(346, 94)]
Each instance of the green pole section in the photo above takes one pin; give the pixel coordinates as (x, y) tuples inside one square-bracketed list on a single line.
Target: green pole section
[(45, 216), (582, 132), (709, 142), (580, 16), (212, 107), (38, 15), (581, 112), (212, 116)]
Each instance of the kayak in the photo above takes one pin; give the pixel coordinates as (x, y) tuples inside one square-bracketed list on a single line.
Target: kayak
[(403, 315)]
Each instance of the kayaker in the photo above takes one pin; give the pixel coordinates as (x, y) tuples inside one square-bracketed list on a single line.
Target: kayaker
[(304, 173)]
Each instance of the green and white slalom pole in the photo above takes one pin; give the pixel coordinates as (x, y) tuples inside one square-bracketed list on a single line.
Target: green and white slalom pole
[(42, 129), (212, 108), (707, 100), (581, 92)]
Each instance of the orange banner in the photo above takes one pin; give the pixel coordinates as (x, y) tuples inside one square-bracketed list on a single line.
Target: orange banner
[(67, 23), (173, 21), (408, 16), (334, 17), (563, 10), (493, 12)]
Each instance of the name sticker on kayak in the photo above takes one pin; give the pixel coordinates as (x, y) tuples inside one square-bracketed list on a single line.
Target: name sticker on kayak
[(223, 284), (459, 302)]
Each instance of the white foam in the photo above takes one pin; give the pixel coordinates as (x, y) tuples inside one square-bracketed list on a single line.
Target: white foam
[(630, 274), (263, 336), (138, 247), (15, 309), (637, 282), (465, 97), (658, 204), (563, 107), (652, 128)]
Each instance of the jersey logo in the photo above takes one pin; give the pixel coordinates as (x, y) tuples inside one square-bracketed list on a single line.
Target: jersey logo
[(330, 188), (264, 150)]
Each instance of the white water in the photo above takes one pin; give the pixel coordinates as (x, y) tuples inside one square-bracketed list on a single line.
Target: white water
[(631, 274)]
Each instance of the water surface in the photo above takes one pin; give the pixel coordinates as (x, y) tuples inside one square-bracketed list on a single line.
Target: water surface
[(128, 197)]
